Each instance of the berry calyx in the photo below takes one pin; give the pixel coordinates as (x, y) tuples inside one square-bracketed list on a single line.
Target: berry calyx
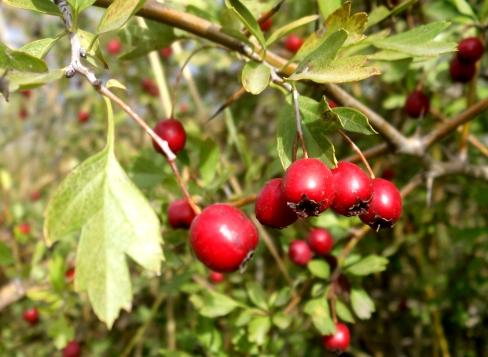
[(385, 207), (166, 52), (308, 187), (320, 241), (83, 116), (339, 341), (299, 252), (470, 50), (293, 43), (461, 72), (223, 238), (31, 316), (72, 349), (180, 214), (417, 104), (216, 277), (114, 46), (271, 208), (173, 132), (266, 25), (24, 228), (353, 189), (150, 87)]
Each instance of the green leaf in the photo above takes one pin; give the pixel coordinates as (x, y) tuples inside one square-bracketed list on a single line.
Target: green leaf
[(341, 19), (419, 41), (39, 48), (42, 6), (258, 329), (288, 28), (327, 7), (25, 80), (368, 265), (115, 221), (209, 156), (362, 304), (285, 135), (318, 310), (247, 19), (257, 295), (61, 331), (80, 5), (90, 42), (217, 304), (353, 120), (281, 320), (6, 257), (378, 14), (57, 270), (20, 61), (464, 8), (319, 268), (255, 77), (117, 14), (343, 312)]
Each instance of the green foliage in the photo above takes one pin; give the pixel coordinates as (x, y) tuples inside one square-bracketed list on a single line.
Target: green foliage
[(247, 19), (255, 77), (20, 61), (44, 7), (368, 265), (318, 310), (117, 14), (362, 304)]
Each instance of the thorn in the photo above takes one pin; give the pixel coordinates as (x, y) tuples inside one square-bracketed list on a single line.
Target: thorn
[(230, 100)]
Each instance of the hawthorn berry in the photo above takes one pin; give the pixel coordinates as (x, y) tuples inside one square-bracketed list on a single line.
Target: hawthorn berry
[(114, 46), (470, 50), (24, 228), (31, 316), (223, 238), (353, 189), (417, 104), (339, 341), (35, 196), (331, 103), (166, 52), (293, 43), (180, 214), (320, 241), (72, 349), (216, 277), (308, 187), (299, 252), (461, 72), (83, 116), (26, 93), (150, 87), (385, 207), (70, 274), (23, 113), (388, 173), (266, 24), (271, 208), (173, 132)]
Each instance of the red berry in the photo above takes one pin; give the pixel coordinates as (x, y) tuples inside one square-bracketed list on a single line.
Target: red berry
[(223, 238), (183, 107), (216, 277), (26, 93), (24, 228), (320, 241), (339, 341), (173, 132), (353, 189), (70, 274), (35, 196), (114, 46), (308, 187), (150, 87), (385, 207), (166, 52), (266, 24), (31, 316), (461, 72), (271, 208), (470, 50), (293, 43), (417, 104), (72, 349), (299, 252), (23, 113), (331, 103), (83, 116), (180, 214), (388, 174)]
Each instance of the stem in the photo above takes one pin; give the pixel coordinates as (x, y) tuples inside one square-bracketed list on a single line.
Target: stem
[(359, 152), (298, 120), (243, 201)]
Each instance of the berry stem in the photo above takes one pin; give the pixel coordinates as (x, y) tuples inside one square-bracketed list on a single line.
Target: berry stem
[(243, 201), (298, 119), (359, 152)]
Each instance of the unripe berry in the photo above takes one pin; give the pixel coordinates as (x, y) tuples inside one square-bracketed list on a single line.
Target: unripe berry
[(320, 241), (150, 87), (271, 208), (461, 72), (223, 238), (24, 228), (266, 25), (385, 207), (166, 52), (470, 50), (31, 316), (293, 43), (308, 187), (114, 46), (299, 252), (417, 104), (216, 277), (83, 116), (180, 214), (173, 132), (72, 349), (353, 189), (339, 341)]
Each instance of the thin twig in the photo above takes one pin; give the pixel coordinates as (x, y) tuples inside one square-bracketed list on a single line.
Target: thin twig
[(298, 121), (359, 152)]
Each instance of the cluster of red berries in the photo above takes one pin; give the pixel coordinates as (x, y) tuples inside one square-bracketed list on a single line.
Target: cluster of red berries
[(319, 241), (463, 65), (309, 187)]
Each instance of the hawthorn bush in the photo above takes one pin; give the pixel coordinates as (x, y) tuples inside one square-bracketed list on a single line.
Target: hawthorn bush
[(316, 170)]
